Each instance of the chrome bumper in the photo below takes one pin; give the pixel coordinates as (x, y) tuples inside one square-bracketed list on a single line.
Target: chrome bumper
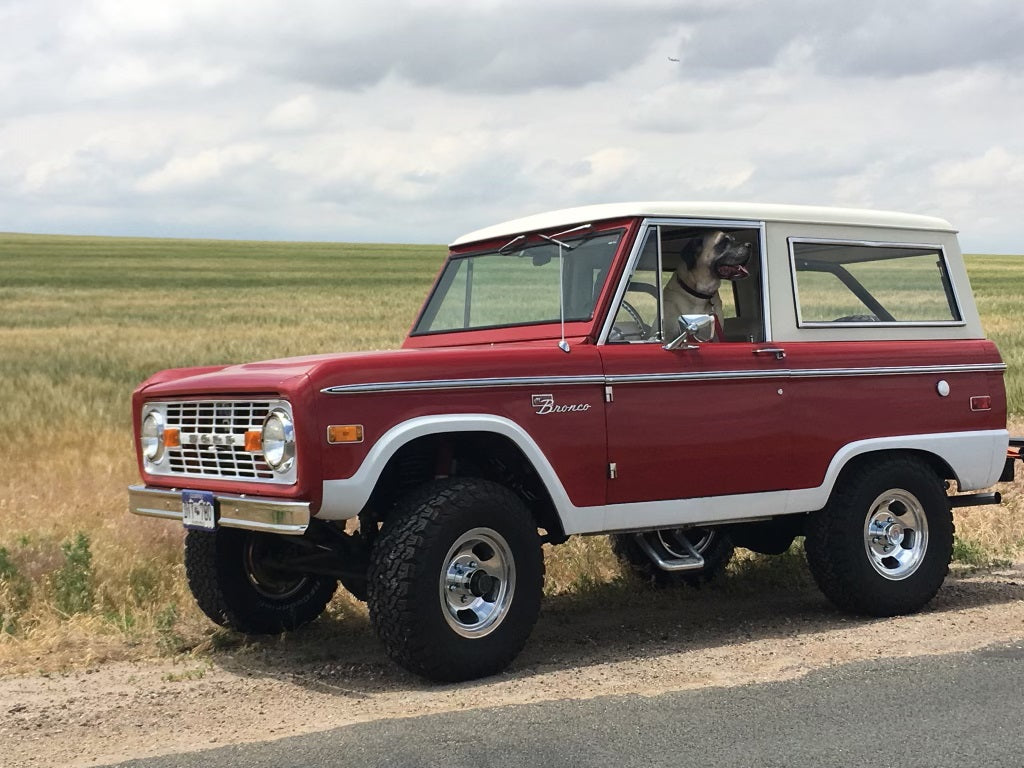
[(250, 512)]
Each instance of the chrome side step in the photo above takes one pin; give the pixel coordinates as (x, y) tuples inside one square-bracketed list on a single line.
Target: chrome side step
[(653, 547)]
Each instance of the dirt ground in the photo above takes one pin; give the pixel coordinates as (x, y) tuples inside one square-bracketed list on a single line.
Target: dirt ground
[(332, 675)]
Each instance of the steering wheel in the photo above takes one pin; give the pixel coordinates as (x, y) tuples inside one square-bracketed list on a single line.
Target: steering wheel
[(645, 329), (647, 288), (857, 319)]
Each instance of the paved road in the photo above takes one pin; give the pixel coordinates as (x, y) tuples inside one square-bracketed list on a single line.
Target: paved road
[(927, 712)]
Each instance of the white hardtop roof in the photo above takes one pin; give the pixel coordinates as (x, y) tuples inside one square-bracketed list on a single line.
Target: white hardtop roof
[(808, 214)]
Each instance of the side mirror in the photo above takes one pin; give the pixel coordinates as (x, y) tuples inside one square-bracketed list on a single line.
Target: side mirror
[(699, 328)]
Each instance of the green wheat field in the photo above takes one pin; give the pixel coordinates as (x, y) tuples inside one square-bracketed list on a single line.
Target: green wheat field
[(83, 320)]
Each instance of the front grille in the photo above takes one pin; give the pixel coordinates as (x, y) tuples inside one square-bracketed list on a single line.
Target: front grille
[(212, 434)]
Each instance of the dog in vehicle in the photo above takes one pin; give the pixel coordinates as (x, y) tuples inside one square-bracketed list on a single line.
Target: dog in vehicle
[(693, 289)]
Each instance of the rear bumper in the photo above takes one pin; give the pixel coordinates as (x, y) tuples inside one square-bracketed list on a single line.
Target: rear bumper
[(253, 513)]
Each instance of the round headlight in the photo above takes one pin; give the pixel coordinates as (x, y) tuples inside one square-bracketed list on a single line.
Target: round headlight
[(279, 441), (152, 436)]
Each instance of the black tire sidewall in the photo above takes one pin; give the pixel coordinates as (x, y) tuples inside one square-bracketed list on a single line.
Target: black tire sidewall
[(409, 615), (836, 550), (217, 576)]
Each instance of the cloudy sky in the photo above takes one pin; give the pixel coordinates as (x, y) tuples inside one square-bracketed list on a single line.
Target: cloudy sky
[(418, 120)]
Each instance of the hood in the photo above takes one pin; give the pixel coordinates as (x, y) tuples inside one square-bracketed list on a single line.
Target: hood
[(287, 375)]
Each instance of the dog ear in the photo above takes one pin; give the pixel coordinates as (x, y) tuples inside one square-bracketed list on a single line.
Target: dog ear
[(691, 251)]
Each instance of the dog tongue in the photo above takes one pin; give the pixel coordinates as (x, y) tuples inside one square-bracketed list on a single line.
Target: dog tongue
[(732, 271)]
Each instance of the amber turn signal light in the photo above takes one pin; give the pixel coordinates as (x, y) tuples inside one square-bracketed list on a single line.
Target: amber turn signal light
[(347, 433), (253, 441), (172, 438)]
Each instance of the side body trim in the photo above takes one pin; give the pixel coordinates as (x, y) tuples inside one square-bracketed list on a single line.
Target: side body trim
[(640, 378), (487, 383), (976, 458)]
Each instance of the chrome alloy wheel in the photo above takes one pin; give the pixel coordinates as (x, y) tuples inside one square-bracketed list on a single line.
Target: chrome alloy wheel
[(478, 580), (896, 534)]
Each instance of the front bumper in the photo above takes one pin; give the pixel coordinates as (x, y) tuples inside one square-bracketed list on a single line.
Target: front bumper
[(250, 512)]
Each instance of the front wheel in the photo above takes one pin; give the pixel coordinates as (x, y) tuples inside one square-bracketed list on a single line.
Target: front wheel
[(456, 580), (882, 544), (240, 580)]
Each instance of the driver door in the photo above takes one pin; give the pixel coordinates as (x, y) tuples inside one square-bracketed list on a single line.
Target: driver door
[(705, 421)]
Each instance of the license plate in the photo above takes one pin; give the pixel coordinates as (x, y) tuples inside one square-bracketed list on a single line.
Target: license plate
[(199, 510)]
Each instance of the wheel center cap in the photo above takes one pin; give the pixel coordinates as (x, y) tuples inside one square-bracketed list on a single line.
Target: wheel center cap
[(893, 534)]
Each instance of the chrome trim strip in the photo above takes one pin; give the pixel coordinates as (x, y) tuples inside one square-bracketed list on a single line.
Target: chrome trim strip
[(435, 384), (639, 378), (910, 324), (766, 302), (249, 512), (798, 373), (901, 370), (667, 378)]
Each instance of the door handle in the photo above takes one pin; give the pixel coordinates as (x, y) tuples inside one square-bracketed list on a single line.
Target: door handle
[(779, 352)]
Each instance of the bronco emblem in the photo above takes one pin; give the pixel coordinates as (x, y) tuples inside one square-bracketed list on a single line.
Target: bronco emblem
[(545, 404)]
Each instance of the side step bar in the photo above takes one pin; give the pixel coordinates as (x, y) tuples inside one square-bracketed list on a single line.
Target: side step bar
[(653, 547)]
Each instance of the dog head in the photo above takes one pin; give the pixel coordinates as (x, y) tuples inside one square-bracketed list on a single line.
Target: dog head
[(708, 260)]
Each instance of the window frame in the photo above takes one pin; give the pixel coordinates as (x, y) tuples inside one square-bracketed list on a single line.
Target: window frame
[(929, 248), (636, 251)]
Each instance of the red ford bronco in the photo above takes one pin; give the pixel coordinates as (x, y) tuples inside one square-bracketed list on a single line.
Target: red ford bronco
[(684, 377)]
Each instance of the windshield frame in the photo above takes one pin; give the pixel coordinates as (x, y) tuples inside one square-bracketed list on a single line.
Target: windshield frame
[(531, 241)]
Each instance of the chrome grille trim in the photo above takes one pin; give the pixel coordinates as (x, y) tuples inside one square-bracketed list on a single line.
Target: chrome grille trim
[(212, 434)]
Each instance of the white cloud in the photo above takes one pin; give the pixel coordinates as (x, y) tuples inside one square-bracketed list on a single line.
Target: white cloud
[(419, 119), (198, 170), (296, 114)]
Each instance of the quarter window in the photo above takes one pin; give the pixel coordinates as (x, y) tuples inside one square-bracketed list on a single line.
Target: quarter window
[(864, 283)]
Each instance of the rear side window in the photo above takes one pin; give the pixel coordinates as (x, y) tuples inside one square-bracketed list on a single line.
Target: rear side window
[(841, 284)]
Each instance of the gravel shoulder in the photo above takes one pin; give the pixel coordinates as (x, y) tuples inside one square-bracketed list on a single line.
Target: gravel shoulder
[(334, 675)]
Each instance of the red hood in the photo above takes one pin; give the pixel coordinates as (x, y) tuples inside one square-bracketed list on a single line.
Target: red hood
[(287, 375)]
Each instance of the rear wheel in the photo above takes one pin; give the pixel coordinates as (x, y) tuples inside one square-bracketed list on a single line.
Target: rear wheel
[(456, 580), (241, 581), (713, 545), (882, 545)]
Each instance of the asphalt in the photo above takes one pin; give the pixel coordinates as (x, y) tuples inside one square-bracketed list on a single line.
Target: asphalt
[(933, 711)]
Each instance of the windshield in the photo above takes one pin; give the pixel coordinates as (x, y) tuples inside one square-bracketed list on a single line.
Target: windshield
[(520, 287)]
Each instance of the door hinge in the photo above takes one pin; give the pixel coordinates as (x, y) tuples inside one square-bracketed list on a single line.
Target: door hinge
[(613, 471), (609, 394)]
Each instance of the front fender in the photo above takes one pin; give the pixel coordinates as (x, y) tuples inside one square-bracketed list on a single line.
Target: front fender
[(345, 498)]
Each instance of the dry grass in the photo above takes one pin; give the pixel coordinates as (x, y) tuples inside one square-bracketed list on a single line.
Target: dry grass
[(85, 319)]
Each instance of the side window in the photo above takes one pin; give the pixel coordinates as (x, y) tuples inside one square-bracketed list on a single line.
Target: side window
[(639, 314), (852, 283), (694, 270)]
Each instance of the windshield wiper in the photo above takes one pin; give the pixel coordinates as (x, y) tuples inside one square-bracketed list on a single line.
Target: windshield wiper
[(550, 238), (554, 238), (508, 246)]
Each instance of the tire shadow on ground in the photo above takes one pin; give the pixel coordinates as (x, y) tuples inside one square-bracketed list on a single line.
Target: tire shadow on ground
[(621, 621)]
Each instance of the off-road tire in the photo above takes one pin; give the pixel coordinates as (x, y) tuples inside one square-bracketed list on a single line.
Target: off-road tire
[(412, 559), (837, 539), (717, 553), (224, 573)]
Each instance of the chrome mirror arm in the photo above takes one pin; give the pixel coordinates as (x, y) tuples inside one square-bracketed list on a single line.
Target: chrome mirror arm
[(692, 328)]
